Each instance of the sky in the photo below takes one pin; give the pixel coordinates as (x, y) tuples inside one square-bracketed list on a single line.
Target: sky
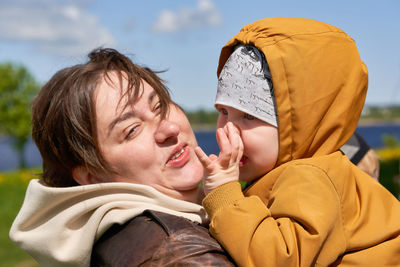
[(184, 37)]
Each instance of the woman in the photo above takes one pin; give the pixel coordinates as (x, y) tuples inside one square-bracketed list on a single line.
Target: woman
[(120, 180)]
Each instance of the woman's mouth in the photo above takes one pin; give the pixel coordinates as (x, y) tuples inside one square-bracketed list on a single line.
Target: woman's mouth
[(179, 158), (177, 154)]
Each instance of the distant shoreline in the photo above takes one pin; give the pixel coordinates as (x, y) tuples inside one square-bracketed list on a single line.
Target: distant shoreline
[(362, 122), (204, 127), (377, 122)]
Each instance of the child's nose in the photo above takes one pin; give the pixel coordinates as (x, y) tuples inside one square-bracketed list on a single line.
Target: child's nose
[(167, 130)]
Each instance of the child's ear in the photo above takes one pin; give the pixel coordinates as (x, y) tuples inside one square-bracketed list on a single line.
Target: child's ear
[(83, 176)]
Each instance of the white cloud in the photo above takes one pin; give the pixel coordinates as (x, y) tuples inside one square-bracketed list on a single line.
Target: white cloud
[(54, 27), (204, 15)]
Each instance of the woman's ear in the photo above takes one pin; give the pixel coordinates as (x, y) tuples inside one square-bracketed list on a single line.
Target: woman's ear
[(83, 176)]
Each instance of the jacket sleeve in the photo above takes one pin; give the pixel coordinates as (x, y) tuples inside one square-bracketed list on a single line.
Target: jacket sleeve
[(158, 239), (299, 224)]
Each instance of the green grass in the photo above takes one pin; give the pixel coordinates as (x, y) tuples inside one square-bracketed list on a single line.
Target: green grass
[(12, 192), (389, 176)]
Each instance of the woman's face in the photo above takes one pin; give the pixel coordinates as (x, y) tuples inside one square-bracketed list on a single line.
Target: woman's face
[(144, 149)]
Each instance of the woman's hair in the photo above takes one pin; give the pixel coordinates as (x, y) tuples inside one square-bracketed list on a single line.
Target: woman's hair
[(64, 113)]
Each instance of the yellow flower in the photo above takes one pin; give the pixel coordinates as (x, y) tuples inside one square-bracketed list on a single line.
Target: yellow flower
[(389, 153)]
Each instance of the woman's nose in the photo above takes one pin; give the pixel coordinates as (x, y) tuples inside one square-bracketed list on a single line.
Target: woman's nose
[(166, 131)]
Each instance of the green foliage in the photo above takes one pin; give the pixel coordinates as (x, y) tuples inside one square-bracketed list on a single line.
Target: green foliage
[(389, 175), (381, 112), (203, 117), (12, 191), (390, 141), (17, 89)]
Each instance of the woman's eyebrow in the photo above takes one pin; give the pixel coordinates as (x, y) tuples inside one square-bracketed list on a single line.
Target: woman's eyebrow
[(119, 119), (151, 96), (129, 114)]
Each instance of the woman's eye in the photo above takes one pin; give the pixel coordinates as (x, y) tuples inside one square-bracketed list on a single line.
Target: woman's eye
[(249, 117), (131, 132), (157, 106)]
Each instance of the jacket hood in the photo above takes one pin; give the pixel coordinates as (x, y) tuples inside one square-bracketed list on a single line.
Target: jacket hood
[(319, 82), (59, 226)]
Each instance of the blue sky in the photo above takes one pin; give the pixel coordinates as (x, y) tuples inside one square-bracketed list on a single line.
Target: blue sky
[(185, 36)]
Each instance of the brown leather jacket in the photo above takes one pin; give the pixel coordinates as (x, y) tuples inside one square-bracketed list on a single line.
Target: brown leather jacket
[(158, 239)]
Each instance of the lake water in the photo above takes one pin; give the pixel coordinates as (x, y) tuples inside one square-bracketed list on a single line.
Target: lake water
[(206, 139)]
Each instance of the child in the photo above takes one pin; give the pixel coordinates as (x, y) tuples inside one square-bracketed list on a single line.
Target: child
[(290, 94)]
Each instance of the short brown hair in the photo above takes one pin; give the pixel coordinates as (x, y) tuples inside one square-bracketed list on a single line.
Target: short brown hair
[(64, 118)]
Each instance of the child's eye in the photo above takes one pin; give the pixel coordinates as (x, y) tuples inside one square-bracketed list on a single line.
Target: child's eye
[(223, 111), (249, 117)]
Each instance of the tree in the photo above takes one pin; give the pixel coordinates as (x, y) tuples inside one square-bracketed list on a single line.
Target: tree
[(17, 89), (202, 116)]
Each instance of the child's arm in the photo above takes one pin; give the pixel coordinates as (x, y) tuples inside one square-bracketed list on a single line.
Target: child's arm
[(300, 225), (224, 168)]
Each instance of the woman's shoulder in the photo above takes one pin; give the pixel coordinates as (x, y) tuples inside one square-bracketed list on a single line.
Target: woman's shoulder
[(158, 238), (134, 242)]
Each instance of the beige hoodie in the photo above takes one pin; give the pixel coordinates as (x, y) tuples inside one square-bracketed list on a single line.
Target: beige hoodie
[(58, 226)]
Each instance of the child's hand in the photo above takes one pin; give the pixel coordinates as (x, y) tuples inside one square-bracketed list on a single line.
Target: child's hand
[(224, 168)]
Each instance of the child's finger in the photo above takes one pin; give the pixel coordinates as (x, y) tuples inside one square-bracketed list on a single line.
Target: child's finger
[(224, 147), (241, 149), (213, 157), (235, 140), (204, 159)]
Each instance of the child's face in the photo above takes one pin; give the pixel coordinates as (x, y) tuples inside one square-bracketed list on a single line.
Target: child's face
[(260, 141)]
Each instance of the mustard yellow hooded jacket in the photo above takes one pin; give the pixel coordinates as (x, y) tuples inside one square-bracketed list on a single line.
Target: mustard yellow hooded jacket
[(314, 208)]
